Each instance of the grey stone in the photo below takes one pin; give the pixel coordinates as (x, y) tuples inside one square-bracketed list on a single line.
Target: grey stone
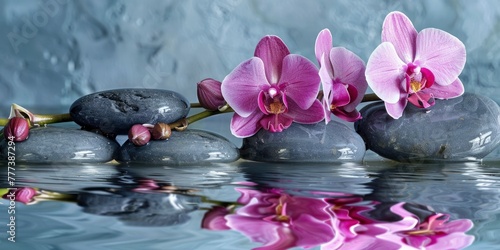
[(459, 129), (182, 148), (115, 111), (318, 143), (61, 145)]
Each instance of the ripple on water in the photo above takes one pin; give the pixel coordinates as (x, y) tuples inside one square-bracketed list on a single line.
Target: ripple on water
[(63, 177)]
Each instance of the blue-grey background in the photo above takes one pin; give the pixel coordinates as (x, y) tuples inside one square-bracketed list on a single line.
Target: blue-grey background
[(55, 51)]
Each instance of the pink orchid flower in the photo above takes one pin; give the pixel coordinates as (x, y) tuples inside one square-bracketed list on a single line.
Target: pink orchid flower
[(342, 76), (280, 221), (271, 90), (414, 67), (409, 233), (437, 233)]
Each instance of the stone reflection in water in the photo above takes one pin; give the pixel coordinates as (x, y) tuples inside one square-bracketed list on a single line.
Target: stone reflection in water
[(307, 179), (141, 209), (455, 189)]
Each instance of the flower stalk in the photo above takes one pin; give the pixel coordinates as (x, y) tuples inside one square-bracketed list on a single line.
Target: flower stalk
[(199, 116), (370, 98), (45, 119)]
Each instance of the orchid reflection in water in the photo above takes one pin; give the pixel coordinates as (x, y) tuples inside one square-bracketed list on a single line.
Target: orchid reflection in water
[(279, 221)]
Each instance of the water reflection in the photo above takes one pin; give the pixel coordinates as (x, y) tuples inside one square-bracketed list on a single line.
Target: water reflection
[(140, 208), (276, 206), (278, 220)]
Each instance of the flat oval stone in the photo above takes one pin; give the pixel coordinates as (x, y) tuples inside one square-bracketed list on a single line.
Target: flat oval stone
[(115, 111), (61, 145), (318, 143), (182, 148), (465, 128)]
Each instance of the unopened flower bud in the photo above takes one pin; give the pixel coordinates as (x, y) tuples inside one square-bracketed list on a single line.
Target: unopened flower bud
[(139, 135), (161, 131), (210, 94), (24, 194), (17, 129)]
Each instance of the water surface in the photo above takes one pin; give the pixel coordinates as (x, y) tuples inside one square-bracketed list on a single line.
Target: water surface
[(106, 206)]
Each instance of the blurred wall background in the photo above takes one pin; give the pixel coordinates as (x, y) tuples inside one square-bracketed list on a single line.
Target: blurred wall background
[(54, 51)]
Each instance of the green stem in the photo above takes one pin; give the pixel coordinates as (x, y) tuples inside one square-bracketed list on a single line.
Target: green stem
[(370, 98), (3, 121), (199, 116), (44, 119), (206, 114), (56, 118)]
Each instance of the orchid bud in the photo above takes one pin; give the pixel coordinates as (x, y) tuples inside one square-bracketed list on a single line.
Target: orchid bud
[(161, 131), (17, 129), (24, 194), (139, 135), (210, 94)]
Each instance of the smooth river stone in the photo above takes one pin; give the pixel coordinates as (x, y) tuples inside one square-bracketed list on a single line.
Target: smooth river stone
[(115, 111), (61, 145), (312, 143), (182, 148), (465, 128)]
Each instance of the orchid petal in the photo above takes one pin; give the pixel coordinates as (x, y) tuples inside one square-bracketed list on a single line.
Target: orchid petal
[(428, 76), (384, 73), (351, 116), (395, 110), (214, 219), (276, 123), (349, 69), (422, 99), (310, 231), (326, 81), (300, 80), (340, 95), (241, 87), (242, 127), (323, 45), (455, 89), (399, 30), (457, 226), (272, 50), (453, 241), (313, 114), (261, 102), (355, 98), (271, 235), (442, 53), (326, 111)]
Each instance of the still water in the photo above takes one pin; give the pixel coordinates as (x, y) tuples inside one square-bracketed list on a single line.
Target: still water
[(245, 205)]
